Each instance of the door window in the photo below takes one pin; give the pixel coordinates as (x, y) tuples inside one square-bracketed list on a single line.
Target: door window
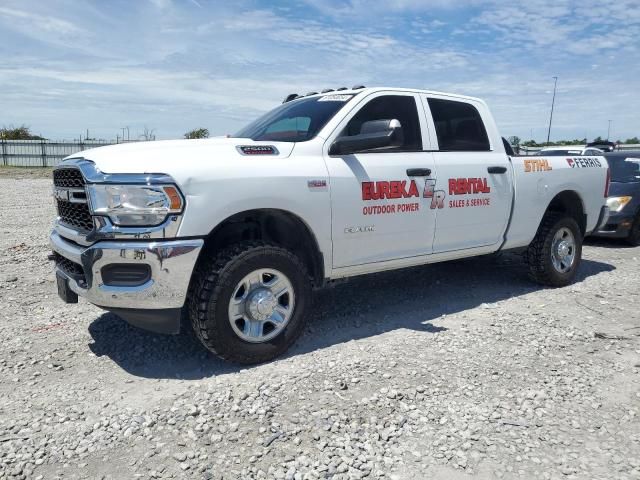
[(391, 107), (459, 126)]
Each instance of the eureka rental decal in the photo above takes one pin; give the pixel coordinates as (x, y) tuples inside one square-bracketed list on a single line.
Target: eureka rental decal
[(584, 162), (469, 186), (403, 189)]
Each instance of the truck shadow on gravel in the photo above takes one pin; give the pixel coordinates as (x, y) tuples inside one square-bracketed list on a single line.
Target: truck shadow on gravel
[(607, 242), (363, 307)]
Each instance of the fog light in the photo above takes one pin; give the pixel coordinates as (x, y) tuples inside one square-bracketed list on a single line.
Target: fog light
[(125, 274)]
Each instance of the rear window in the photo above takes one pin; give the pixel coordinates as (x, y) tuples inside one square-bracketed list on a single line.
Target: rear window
[(459, 126), (625, 169)]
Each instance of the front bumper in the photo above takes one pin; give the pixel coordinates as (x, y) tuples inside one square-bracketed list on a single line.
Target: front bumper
[(618, 225), (170, 263)]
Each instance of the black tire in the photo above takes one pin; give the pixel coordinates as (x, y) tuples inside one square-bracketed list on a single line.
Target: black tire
[(541, 268), (212, 287), (634, 234)]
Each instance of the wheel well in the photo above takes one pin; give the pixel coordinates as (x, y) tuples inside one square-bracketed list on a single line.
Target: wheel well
[(274, 226), (569, 202)]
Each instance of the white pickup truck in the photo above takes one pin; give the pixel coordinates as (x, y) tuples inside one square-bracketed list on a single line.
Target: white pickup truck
[(234, 233)]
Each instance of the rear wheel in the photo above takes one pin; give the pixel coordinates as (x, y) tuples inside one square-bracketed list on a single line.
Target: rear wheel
[(634, 233), (556, 251), (248, 303)]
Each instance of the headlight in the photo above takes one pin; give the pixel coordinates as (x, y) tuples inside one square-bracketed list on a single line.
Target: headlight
[(616, 204), (135, 205)]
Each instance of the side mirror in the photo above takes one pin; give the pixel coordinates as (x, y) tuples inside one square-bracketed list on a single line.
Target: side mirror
[(373, 134)]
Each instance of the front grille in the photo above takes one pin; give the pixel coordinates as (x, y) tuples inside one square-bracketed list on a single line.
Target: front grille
[(68, 178), (74, 214), (72, 269)]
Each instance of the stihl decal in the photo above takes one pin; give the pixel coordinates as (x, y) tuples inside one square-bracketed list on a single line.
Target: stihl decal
[(534, 165), (584, 162)]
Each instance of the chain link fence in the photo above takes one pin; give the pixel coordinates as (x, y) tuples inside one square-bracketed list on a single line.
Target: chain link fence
[(42, 153)]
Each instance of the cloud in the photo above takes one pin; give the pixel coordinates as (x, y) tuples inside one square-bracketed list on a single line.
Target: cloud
[(42, 23), (173, 65), (162, 4)]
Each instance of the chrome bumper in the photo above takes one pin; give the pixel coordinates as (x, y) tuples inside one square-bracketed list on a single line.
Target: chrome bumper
[(171, 263)]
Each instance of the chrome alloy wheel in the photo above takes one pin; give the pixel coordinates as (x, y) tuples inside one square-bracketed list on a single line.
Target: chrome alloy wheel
[(261, 305), (563, 250)]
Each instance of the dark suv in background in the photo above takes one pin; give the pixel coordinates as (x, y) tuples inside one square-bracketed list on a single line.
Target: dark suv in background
[(604, 145), (624, 197)]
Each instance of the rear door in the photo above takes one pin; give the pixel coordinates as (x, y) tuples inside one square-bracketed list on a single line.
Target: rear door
[(474, 175), (379, 198)]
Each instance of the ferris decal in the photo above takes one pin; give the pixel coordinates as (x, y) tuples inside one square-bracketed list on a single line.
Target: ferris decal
[(584, 162)]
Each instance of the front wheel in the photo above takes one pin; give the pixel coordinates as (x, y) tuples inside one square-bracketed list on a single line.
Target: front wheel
[(248, 303), (556, 251)]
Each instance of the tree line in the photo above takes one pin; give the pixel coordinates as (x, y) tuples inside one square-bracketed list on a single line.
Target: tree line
[(516, 141), (24, 133), (18, 133)]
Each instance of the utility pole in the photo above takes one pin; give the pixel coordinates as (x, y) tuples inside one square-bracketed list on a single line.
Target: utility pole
[(553, 101), (123, 137), (609, 130)]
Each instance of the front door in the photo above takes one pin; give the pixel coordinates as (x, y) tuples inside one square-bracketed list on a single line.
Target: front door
[(383, 203)]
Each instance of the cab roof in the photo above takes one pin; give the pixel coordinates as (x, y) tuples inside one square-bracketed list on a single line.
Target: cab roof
[(361, 90)]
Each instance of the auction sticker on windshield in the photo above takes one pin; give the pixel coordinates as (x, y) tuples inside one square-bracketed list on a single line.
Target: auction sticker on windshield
[(335, 98)]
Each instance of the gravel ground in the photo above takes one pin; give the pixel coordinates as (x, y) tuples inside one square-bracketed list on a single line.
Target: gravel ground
[(453, 371)]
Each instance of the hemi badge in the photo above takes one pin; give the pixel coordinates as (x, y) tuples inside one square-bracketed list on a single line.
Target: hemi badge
[(314, 184)]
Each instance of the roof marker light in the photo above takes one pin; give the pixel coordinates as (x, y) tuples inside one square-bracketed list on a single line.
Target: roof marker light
[(291, 96)]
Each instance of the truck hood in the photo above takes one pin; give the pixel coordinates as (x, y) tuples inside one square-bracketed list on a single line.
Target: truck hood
[(179, 157)]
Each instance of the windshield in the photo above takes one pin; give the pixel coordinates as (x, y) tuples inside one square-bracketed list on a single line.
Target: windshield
[(295, 121), (625, 169), (558, 153)]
